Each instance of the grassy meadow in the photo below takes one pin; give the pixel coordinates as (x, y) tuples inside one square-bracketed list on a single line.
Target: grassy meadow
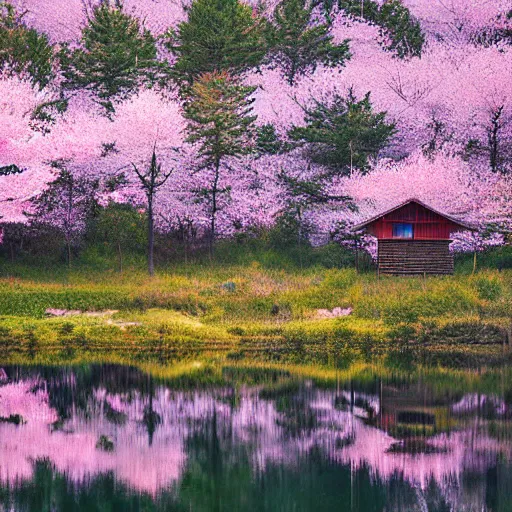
[(255, 310)]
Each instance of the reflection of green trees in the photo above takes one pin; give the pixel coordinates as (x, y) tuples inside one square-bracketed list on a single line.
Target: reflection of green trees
[(218, 475), (221, 476), (214, 481), (220, 472), (50, 491), (218, 479)]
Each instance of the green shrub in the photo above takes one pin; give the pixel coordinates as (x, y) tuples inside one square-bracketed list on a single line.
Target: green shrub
[(488, 287), (339, 279), (399, 312)]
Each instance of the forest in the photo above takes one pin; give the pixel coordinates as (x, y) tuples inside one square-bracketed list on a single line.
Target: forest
[(166, 129), (195, 313), (230, 148)]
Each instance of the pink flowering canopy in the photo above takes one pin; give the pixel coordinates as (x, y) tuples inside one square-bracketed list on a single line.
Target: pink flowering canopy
[(446, 105)]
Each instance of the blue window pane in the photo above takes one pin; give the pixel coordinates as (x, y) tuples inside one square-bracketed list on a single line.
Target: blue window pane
[(401, 230)]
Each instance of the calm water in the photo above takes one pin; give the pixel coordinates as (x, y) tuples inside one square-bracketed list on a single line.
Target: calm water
[(112, 438)]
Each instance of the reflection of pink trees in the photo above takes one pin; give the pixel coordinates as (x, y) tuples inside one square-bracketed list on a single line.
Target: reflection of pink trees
[(267, 433), (72, 447), (21, 445)]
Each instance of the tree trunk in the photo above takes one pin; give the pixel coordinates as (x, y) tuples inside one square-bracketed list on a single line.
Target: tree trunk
[(293, 71), (214, 207), (299, 216), (151, 239), (351, 157), (474, 262), (494, 136), (120, 256), (69, 217), (356, 255), (68, 243)]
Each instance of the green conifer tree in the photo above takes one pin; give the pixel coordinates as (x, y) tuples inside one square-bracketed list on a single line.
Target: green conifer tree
[(268, 141), (218, 35), (221, 125), (23, 50), (115, 56), (402, 33), (297, 45), (344, 134)]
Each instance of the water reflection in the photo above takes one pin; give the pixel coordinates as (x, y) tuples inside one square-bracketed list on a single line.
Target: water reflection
[(75, 438)]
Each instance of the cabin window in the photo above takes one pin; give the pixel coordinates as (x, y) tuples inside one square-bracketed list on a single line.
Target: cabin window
[(402, 230), (416, 418)]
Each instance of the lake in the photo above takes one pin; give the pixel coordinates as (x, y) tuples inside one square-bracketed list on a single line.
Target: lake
[(111, 437)]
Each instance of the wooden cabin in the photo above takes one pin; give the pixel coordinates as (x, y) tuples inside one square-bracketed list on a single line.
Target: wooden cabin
[(403, 415), (413, 238)]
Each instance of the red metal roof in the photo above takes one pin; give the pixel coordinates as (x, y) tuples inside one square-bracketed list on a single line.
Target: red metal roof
[(409, 201)]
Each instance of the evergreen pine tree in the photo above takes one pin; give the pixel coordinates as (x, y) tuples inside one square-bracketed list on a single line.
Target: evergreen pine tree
[(402, 32), (116, 54), (218, 35), (23, 50), (405, 33), (345, 133), (297, 45), (220, 124), (7, 170), (268, 141)]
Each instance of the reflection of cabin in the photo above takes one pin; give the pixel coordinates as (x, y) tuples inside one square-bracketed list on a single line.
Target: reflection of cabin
[(413, 238), (403, 413)]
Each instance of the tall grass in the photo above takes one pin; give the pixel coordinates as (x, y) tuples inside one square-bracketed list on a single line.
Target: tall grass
[(252, 308)]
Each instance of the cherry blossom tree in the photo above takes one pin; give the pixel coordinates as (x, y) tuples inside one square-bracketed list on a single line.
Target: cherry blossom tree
[(20, 147), (451, 107), (66, 204), (140, 147), (458, 21)]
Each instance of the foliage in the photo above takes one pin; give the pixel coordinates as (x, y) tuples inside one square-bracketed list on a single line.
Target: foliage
[(288, 232), (268, 140), (67, 204), (220, 123), (189, 310), (218, 35), (115, 55), (218, 111), (9, 169), (438, 127), (22, 49), (402, 33), (298, 45), (120, 226), (345, 133)]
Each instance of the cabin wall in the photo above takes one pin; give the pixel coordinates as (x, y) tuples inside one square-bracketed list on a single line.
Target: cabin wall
[(428, 225), (414, 257)]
